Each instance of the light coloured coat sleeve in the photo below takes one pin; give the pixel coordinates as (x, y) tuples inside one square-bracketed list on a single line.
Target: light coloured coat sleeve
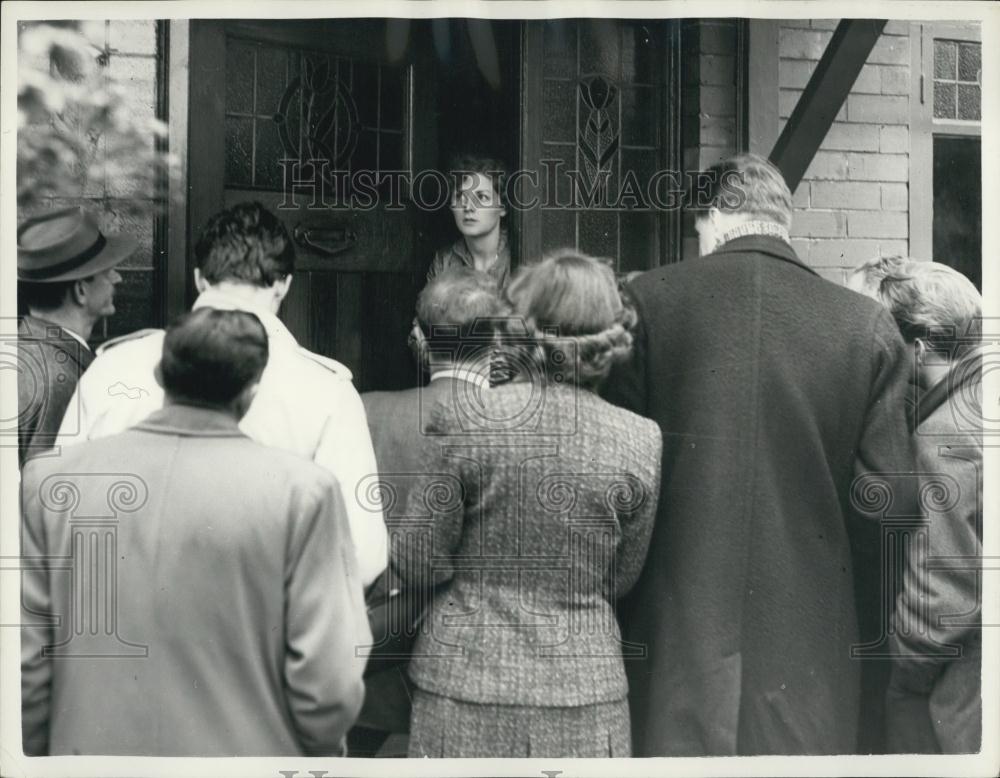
[(326, 628), (36, 609), (345, 449), (938, 607)]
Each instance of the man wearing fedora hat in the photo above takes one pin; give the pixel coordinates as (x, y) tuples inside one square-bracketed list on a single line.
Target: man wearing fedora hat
[(66, 284)]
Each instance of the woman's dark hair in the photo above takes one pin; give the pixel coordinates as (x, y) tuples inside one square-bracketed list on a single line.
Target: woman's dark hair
[(210, 356), (245, 243), (469, 164)]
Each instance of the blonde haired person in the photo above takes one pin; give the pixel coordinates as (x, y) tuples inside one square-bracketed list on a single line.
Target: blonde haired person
[(934, 700), (538, 521)]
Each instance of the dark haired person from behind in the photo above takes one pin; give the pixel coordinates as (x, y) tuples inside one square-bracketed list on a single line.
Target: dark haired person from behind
[(233, 566), (774, 392), (66, 281), (306, 404)]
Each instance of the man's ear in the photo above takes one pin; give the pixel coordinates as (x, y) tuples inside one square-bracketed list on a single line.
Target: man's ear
[(199, 281), (281, 287), (158, 374), (78, 292)]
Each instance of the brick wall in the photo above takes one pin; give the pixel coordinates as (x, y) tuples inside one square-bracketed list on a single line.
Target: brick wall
[(853, 201), (708, 100)]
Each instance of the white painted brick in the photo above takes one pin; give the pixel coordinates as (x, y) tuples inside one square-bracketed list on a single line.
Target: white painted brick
[(878, 167), (787, 99), (894, 139), (795, 73), (891, 50), (843, 252), (878, 109), (829, 165), (851, 137), (895, 197), (800, 197), (819, 224), (845, 194), (869, 81), (802, 44), (877, 224), (894, 80)]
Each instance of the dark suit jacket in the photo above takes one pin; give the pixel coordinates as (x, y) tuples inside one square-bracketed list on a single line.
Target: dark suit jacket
[(398, 422), (50, 362), (237, 601), (773, 388), (537, 516)]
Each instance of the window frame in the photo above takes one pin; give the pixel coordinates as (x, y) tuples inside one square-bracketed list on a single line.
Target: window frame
[(924, 127)]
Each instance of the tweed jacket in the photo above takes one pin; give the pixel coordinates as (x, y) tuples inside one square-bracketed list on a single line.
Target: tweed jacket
[(539, 520), (774, 390), (938, 639), (238, 601), (50, 362)]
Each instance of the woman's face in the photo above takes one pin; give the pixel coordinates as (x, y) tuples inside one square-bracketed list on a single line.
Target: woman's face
[(476, 206)]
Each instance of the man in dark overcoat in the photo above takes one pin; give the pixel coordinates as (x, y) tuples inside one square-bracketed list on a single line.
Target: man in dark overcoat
[(66, 284), (774, 389)]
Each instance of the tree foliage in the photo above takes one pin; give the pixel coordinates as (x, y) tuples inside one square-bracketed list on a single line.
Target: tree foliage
[(75, 130)]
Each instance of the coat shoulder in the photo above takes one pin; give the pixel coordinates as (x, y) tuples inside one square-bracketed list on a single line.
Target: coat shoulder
[(129, 338), (331, 366)]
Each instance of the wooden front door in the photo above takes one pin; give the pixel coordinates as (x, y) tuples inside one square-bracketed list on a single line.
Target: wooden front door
[(286, 112)]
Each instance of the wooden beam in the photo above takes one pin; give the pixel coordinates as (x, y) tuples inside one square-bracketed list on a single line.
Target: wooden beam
[(824, 95)]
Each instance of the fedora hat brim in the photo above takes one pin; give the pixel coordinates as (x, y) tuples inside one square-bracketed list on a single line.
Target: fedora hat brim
[(116, 249)]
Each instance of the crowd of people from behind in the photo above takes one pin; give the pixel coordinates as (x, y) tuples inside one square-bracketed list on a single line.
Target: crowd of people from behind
[(638, 518)]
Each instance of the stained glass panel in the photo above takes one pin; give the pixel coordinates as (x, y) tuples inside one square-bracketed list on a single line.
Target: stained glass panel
[(305, 105)]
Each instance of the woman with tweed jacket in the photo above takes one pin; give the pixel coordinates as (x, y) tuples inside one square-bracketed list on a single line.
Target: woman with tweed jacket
[(535, 516)]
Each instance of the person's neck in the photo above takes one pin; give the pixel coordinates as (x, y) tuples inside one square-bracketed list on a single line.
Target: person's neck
[(931, 375), (262, 297), (474, 366), (233, 409), (484, 248), (75, 320)]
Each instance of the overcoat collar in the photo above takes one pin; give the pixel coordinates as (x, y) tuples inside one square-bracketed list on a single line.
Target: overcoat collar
[(191, 420), (33, 329), (963, 376), (763, 244)]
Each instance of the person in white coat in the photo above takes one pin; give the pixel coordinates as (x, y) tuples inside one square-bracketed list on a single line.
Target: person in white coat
[(306, 403)]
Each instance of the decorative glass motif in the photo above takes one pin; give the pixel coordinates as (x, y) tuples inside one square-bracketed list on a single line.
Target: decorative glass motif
[(601, 88), (329, 116), (284, 103), (957, 80), (599, 133)]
